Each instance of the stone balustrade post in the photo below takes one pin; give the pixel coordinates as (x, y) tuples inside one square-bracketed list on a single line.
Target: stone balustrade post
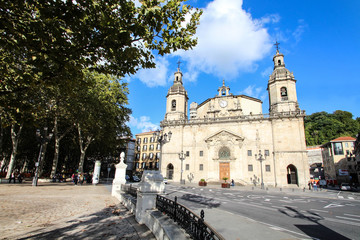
[(151, 184), (120, 173)]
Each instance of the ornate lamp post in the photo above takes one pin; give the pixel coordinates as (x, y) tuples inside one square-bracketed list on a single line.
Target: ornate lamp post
[(182, 157), (260, 158), (44, 139), (162, 138)]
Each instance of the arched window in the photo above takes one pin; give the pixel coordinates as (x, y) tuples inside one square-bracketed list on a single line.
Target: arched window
[(283, 92), (224, 153), (173, 105), (279, 62)]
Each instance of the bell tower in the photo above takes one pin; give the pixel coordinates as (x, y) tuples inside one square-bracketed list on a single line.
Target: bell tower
[(176, 99), (282, 87)]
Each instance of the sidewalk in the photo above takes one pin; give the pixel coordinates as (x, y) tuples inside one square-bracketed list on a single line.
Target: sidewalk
[(65, 211)]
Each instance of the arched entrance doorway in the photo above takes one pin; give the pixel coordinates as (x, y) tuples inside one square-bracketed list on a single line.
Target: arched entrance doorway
[(169, 171), (292, 177)]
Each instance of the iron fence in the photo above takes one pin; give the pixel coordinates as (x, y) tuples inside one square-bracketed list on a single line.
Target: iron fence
[(194, 225), (129, 189)]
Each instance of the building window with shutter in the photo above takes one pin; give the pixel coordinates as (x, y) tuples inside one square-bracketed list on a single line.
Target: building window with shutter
[(201, 167)]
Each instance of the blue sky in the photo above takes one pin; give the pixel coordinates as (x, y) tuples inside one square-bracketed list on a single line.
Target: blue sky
[(320, 40)]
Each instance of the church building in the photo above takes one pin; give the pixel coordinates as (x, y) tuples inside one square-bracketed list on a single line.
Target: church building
[(228, 136)]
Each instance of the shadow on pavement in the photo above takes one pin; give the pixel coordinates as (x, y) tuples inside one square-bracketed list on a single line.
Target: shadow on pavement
[(109, 223), (210, 202), (315, 230)]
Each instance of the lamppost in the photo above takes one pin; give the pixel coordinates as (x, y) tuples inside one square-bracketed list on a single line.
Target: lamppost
[(182, 157), (162, 138), (261, 159), (43, 139)]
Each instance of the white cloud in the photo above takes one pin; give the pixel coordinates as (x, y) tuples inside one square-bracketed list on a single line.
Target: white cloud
[(229, 40), (143, 124), (254, 92), (267, 72), (155, 76), (299, 30)]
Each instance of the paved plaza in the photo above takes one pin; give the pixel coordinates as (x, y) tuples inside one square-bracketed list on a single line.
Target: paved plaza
[(65, 211)]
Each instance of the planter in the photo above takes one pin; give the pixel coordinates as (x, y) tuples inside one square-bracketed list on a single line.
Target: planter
[(225, 185), (203, 183)]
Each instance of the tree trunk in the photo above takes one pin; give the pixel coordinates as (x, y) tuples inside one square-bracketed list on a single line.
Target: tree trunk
[(15, 141), (57, 146), (42, 159), (83, 148)]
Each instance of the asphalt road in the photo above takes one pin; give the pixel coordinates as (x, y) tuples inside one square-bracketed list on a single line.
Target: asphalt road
[(241, 213)]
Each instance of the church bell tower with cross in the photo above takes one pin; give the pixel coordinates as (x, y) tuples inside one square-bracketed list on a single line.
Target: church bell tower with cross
[(282, 87), (177, 99)]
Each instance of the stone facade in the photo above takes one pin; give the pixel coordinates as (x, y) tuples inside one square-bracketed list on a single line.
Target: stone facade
[(226, 136)]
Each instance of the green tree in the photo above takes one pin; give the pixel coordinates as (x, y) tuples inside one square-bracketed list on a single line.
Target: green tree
[(322, 127), (101, 112)]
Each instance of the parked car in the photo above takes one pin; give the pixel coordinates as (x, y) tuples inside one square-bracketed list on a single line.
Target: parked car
[(345, 187), (136, 179)]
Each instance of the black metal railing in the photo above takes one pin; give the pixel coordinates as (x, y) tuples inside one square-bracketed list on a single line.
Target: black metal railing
[(194, 225), (129, 189)]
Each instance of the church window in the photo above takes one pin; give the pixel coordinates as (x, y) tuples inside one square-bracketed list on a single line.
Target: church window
[(250, 167), (187, 167), (283, 92), (173, 105), (201, 153), (267, 168), (267, 153), (279, 62), (201, 167), (187, 153), (249, 153), (224, 153), (177, 78)]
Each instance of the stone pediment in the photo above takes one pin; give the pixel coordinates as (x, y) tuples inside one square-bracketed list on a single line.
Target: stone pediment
[(224, 138)]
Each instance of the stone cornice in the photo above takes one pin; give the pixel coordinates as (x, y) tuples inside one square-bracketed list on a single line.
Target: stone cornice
[(242, 118)]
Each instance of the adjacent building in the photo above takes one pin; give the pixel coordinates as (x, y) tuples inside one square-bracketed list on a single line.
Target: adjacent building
[(339, 160), (315, 162), (228, 136), (147, 152)]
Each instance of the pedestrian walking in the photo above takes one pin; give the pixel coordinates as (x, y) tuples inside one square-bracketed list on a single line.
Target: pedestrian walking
[(232, 182), (12, 177), (19, 178), (309, 184), (315, 186)]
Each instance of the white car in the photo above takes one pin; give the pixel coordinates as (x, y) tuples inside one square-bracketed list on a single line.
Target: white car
[(345, 187)]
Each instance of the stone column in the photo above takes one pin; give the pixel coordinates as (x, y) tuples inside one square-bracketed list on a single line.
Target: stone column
[(120, 173), (151, 184)]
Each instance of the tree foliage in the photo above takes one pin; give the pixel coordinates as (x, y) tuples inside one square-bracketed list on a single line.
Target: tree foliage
[(322, 127)]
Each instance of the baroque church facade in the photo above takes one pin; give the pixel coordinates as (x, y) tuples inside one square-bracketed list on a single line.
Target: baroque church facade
[(228, 136)]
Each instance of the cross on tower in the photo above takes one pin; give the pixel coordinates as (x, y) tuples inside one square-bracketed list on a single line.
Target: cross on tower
[(179, 62), (277, 45)]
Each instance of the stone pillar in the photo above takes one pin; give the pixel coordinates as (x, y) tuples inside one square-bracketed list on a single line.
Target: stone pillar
[(151, 184), (120, 173)]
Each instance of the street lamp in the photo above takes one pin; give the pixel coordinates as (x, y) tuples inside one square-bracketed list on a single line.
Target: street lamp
[(261, 159), (162, 138), (182, 157), (43, 139)]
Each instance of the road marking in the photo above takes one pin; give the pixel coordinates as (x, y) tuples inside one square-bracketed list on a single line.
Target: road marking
[(267, 200), (316, 210), (340, 197), (332, 205), (351, 198), (346, 218), (351, 215), (342, 221)]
